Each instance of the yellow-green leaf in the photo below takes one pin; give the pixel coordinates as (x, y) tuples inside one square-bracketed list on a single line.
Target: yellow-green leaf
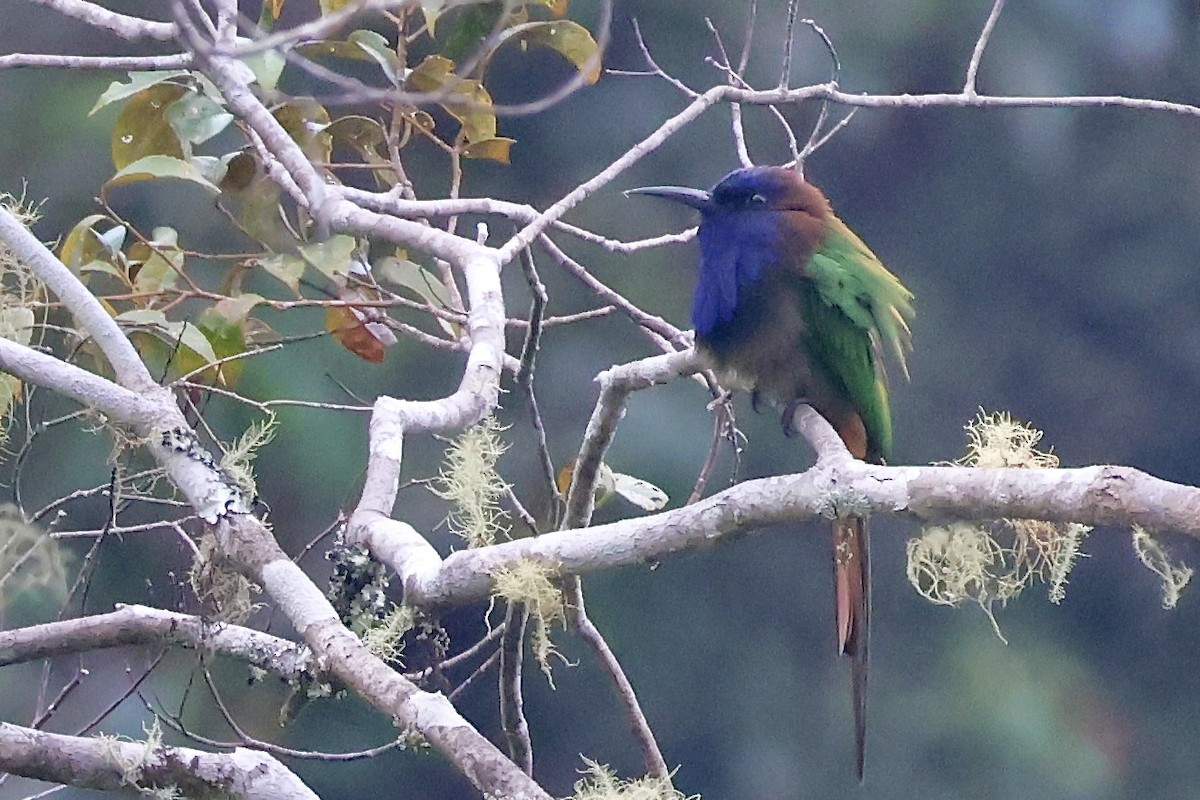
[(465, 99), (570, 39), (156, 266), (267, 66), (494, 149), (361, 45), (237, 309), (142, 128), (257, 208), (366, 137), (155, 322), (228, 338), (160, 167), (84, 244), (138, 81), (305, 121), (332, 256), (333, 6), (418, 282), (284, 268)]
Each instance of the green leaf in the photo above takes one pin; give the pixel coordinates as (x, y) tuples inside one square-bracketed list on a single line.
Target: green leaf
[(361, 45), (305, 121), (376, 47), (113, 239), (196, 118), (16, 323), (155, 322), (366, 137), (137, 82), (160, 167), (570, 39), (85, 246), (142, 128), (267, 66), (156, 266), (240, 169), (284, 268), (333, 6), (225, 330), (462, 29), (262, 216), (211, 168), (432, 9), (332, 256), (418, 282)]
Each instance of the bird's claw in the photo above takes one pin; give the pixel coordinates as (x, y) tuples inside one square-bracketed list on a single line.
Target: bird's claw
[(787, 417)]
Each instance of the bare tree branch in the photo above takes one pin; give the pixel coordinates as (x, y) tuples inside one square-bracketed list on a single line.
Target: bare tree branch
[(114, 765), (137, 625), (122, 25)]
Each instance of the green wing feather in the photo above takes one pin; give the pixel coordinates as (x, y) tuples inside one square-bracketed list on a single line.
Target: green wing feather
[(858, 309)]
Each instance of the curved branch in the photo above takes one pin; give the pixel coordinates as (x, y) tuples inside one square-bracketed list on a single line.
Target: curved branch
[(123, 25), (109, 764), (135, 625), (82, 304)]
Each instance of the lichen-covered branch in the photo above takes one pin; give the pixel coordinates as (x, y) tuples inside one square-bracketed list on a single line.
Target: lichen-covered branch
[(110, 764), (1099, 495)]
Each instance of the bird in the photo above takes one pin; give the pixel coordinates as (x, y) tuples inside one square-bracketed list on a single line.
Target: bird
[(791, 305)]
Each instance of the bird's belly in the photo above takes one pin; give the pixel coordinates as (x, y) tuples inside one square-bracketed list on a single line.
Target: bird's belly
[(777, 377), (763, 353)]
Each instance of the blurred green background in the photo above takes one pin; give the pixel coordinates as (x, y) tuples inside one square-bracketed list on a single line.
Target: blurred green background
[(1054, 256)]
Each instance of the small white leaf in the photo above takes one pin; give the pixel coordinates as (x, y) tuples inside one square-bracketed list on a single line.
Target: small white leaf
[(643, 494)]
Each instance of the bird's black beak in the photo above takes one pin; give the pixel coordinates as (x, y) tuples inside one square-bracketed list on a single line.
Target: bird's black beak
[(696, 198)]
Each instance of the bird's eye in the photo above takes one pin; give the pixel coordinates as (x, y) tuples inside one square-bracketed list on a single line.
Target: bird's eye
[(757, 200)]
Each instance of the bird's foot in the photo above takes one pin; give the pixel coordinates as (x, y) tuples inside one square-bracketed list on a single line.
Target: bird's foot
[(789, 411)]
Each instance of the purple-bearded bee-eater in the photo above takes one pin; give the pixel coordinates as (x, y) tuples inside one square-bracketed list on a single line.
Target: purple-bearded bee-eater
[(792, 306)]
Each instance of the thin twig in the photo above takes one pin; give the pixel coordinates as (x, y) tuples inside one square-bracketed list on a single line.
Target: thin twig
[(533, 336), (665, 335), (815, 139), (512, 711), (652, 758), (465, 655), (474, 676), (785, 73), (980, 45), (125, 695), (655, 69), (733, 77)]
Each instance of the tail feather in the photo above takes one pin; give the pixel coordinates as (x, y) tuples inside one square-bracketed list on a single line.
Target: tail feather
[(852, 582)]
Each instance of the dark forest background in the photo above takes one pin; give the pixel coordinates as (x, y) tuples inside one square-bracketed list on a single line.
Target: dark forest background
[(1054, 256)]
